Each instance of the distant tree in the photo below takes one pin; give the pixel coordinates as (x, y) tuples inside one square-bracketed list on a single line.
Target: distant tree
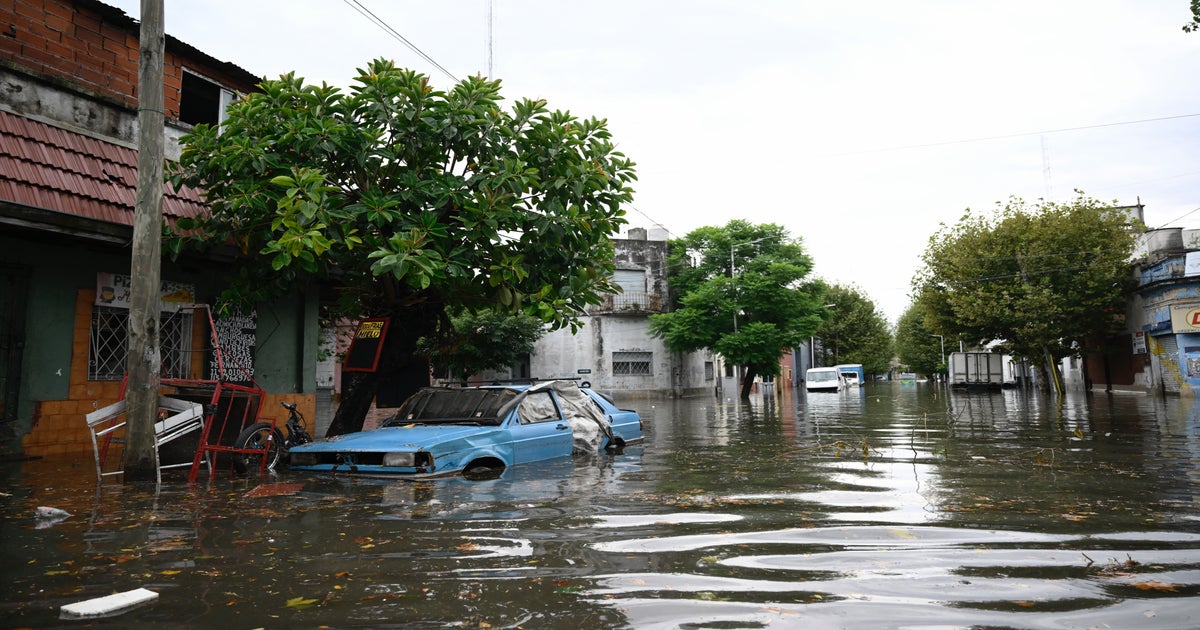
[(1041, 279), (854, 332), (487, 340), (739, 290), (917, 347), (410, 201)]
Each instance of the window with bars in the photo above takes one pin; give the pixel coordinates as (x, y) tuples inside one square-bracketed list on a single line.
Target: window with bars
[(108, 352), (631, 363), (708, 370)]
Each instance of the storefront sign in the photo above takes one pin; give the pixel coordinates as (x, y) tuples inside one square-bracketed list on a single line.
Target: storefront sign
[(237, 335), (366, 346), (1139, 342), (112, 289), (1185, 318)]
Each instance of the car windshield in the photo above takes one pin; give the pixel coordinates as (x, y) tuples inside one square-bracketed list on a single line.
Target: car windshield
[(449, 406), (822, 376)]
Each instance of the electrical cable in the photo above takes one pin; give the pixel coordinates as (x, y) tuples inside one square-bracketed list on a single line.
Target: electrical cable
[(381, 23), (1013, 135)]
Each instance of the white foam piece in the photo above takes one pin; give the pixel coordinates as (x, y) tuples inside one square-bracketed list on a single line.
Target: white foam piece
[(109, 604)]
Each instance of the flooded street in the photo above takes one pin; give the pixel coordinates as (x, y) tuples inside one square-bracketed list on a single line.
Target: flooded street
[(899, 505)]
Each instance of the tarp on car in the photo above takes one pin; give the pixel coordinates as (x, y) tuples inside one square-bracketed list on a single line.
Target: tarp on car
[(588, 423)]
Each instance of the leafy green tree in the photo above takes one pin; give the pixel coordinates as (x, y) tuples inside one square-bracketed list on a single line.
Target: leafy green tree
[(412, 202), (487, 340), (917, 347), (1194, 25), (739, 290), (1042, 279), (854, 332)]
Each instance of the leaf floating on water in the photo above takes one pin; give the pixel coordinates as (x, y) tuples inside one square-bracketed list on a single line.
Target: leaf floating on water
[(1155, 585), (300, 602), (274, 490), (1078, 433)]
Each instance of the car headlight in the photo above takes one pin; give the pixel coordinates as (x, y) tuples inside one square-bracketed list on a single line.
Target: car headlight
[(400, 460)]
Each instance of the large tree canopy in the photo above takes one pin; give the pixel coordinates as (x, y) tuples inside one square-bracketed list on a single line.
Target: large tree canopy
[(739, 290), (919, 349), (486, 340), (854, 331), (1042, 279), (410, 201)]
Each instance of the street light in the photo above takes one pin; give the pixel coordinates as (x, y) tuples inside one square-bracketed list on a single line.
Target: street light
[(943, 340), (731, 277)]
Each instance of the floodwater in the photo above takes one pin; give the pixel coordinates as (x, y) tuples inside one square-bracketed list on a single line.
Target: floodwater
[(893, 506)]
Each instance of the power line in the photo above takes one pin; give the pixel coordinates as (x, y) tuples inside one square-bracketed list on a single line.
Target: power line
[(387, 28), (1185, 215), (1012, 135)]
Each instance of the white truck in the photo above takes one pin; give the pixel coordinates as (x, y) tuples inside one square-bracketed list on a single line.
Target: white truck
[(977, 370)]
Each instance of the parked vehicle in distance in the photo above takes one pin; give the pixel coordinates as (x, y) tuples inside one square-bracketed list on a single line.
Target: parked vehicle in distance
[(976, 370), (853, 373), (824, 379), (443, 431)]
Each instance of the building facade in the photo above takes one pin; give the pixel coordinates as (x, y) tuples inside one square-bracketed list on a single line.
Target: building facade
[(614, 350), (1160, 351), (68, 173)]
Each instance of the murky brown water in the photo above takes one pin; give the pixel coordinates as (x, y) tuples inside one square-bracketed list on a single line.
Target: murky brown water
[(897, 506)]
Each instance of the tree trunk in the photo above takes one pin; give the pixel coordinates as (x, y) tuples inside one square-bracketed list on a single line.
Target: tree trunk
[(400, 372), (358, 391), (748, 381)]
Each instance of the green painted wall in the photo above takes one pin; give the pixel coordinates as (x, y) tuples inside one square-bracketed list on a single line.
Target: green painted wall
[(286, 337), (286, 344)]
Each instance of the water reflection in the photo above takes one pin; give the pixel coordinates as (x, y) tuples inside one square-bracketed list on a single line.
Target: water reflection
[(886, 506)]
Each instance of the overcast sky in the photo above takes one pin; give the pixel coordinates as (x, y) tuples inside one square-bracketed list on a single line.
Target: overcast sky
[(859, 126)]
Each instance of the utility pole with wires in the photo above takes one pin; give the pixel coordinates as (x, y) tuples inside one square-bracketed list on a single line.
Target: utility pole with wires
[(1046, 181), (489, 39), (144, 360)]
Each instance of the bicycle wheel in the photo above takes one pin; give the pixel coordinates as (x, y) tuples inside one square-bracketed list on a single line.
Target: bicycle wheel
[(255, 436)]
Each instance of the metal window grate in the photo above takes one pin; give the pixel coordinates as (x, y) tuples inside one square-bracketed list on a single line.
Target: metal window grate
[(109, 347), (631, 363)]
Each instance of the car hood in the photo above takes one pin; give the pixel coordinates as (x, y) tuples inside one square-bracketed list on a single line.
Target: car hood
[(400, 438)]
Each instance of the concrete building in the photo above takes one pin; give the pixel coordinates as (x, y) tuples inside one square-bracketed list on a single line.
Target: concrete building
[(614, 350), (1160, 350), (68, 173)]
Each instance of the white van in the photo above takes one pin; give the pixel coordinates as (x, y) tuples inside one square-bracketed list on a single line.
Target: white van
[(824, 379)]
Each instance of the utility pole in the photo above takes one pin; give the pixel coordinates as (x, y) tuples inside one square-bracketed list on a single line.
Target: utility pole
[(144, 361)]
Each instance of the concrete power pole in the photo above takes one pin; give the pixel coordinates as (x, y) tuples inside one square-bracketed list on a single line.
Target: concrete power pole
[(145, 269)]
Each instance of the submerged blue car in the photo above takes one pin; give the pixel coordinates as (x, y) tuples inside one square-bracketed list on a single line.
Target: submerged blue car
[(475, 430)]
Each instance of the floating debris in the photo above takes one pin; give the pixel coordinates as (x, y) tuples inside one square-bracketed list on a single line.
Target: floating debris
[(49, 516), (108, 605)]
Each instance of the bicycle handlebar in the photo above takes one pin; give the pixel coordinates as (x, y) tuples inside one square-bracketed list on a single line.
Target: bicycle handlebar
[(288, 406)]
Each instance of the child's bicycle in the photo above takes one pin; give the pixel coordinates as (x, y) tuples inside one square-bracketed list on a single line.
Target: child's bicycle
[(259, 434)]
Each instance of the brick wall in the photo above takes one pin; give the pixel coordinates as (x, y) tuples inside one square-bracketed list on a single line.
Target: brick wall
[(95, 48)]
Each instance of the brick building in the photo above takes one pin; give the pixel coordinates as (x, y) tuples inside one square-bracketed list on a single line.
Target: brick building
[(68, 156)]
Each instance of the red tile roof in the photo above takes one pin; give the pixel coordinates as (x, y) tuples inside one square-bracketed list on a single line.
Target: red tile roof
[(51, 168)]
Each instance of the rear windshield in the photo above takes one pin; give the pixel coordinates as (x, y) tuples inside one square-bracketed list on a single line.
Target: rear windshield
[(468, 406)]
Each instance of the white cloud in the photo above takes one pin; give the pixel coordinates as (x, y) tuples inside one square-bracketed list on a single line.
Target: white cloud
[(856, 125)]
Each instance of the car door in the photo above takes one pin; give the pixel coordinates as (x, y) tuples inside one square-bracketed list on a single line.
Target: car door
[(538, 429)]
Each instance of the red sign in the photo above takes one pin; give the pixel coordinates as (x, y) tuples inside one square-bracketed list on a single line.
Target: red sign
[(367, 345)]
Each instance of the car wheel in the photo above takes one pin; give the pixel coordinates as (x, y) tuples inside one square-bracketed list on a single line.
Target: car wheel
[(482, 471)]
